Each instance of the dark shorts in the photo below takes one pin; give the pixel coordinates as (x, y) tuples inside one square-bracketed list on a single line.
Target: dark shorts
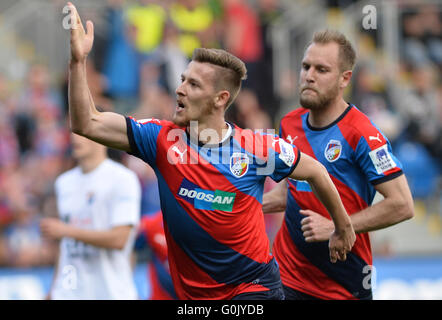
[(292, 294), (274, 294)]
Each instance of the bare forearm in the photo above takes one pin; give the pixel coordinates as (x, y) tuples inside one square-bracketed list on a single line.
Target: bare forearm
[(276, 199), (81, 105), (326, 192), (381, 215), (396, 207), (108, 239)]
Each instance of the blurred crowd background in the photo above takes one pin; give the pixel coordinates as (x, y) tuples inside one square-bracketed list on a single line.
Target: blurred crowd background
[(141, 47)]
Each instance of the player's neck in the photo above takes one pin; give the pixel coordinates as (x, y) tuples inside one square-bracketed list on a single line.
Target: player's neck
[(322, 117), (89, 164), (211, 132)]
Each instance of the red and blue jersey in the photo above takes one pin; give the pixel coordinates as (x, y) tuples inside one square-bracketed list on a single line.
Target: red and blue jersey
[(211, 199), (357, 156)]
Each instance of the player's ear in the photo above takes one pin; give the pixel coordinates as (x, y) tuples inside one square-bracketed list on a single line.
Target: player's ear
[(345, 78), (221, 98)]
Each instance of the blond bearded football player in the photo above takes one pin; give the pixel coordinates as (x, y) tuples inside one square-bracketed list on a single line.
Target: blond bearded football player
[(360, 162)]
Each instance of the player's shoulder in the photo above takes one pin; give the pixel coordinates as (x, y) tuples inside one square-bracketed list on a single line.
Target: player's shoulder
[(297, 112), (68, 177), (154, 121), (356, 126)]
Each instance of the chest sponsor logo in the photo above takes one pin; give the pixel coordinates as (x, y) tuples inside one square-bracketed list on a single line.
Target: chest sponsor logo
[(382, 159), (333, 150), (208, 199), (239, 164)]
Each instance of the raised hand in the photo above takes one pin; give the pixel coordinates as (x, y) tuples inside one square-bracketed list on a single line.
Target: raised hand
[(81, 40)]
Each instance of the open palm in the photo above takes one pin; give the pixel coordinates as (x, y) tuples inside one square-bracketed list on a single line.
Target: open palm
[(81, 40)]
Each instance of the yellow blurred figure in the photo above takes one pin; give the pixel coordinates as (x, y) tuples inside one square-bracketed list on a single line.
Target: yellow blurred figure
[(191, 20), (149, 21)]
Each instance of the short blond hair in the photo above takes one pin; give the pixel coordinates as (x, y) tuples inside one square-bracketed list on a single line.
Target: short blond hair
[(347, 54), (233, 70)]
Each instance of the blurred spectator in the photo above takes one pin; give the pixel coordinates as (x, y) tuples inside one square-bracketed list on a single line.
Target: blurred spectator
[(148, 18), (422, 42), (122, 62), (195, 21), (37, 101), (155, 102), (248, 112), (418, 103), (269, 12), (21, 239), (243, 38), (170, 59), (370, 96)]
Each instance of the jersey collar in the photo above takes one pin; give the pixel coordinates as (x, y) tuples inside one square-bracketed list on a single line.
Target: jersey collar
[(331, 124)]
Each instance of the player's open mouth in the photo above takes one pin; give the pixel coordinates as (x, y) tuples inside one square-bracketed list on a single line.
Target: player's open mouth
[(180, 106)]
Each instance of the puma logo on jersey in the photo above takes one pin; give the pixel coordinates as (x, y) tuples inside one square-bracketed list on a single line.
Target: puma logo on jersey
[(179, 153), (274, 140), (290, 139), (375, 138)]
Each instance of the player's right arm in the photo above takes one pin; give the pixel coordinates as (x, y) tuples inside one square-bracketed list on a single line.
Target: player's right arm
[(343, 237), (107, 128)]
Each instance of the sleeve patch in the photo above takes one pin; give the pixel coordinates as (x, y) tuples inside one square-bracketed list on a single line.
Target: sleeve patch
[(287, 155), (382, 159)]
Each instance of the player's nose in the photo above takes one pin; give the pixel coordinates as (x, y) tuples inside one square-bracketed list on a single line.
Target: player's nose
[(309, 76), (180, 90)]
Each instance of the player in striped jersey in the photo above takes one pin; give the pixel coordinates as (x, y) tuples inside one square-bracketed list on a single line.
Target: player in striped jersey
[(360, 162), (211, 175)]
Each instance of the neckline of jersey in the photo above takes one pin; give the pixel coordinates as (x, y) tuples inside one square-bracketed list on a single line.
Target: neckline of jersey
[(350, 106), (229, 134)]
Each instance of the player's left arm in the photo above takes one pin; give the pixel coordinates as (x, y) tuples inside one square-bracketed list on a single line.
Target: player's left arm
[(396, 207), (113, 238)]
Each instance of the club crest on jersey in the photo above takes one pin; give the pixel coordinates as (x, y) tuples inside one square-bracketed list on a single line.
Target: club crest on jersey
[(333, 150), (239, 164)]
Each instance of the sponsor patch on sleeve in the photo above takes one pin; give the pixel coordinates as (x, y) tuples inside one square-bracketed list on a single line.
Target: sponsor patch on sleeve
[(382, 159), (287, 155)]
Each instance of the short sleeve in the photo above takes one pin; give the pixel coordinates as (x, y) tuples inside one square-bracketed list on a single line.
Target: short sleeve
[(377, 162), (285, 157), (142, 137)]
